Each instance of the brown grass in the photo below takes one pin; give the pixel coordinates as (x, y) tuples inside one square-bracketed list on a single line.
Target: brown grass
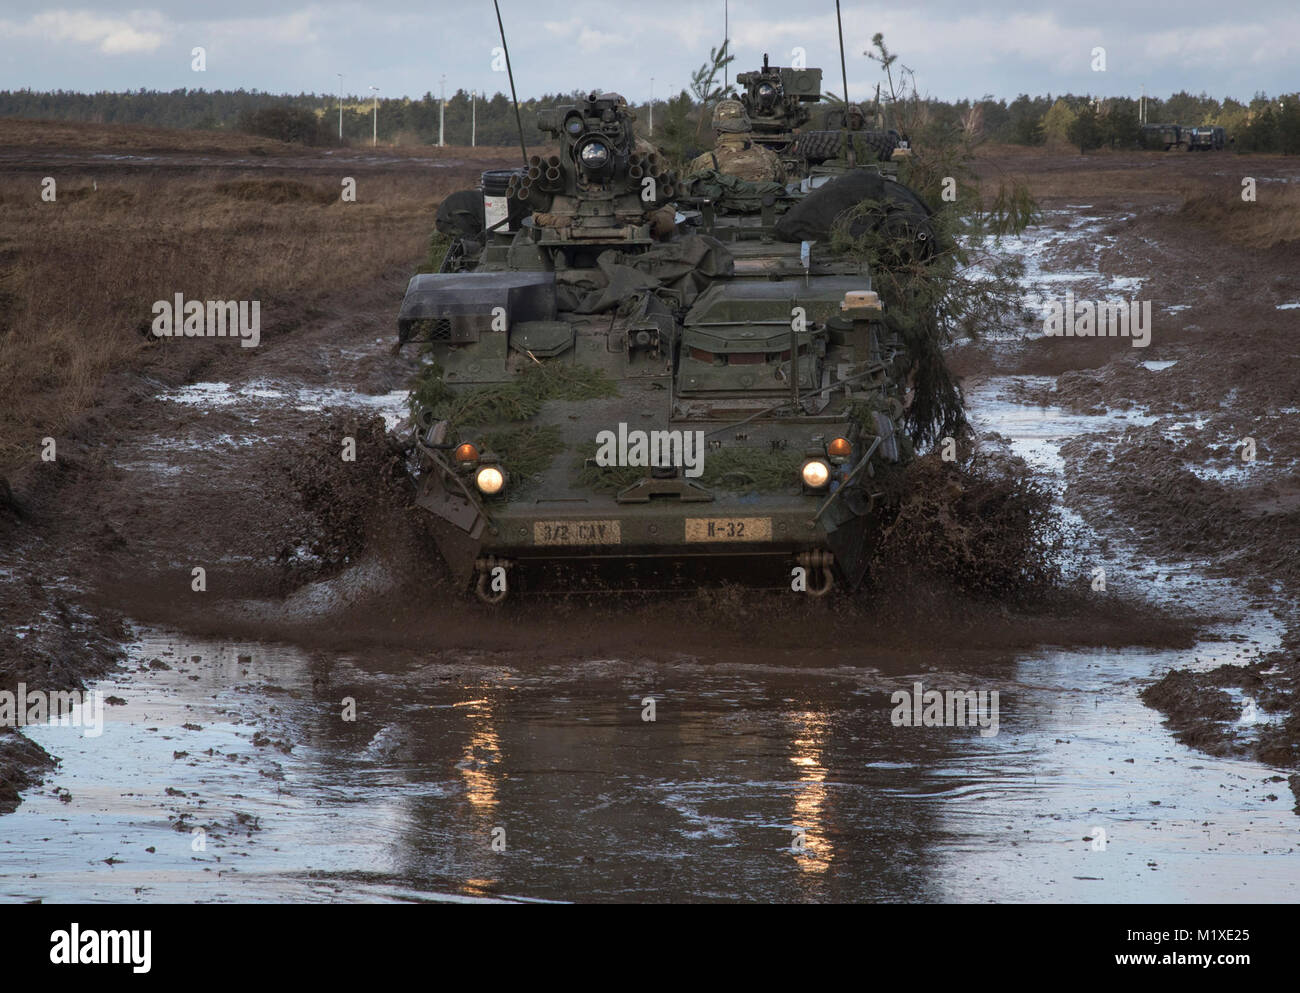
[(78, 277), (1055, 173), (21, 134), (1273, 219), (17, 132)]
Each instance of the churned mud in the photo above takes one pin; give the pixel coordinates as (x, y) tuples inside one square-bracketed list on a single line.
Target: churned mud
[(1148, 722), (1204, 467)]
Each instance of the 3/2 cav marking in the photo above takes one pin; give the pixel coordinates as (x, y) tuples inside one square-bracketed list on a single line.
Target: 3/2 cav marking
[(577, 533)]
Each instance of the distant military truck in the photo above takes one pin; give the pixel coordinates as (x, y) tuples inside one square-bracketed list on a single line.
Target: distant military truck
[(1205, 139), (1164, 136)]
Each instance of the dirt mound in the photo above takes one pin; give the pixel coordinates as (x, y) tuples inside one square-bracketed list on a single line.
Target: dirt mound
[(22, 764)]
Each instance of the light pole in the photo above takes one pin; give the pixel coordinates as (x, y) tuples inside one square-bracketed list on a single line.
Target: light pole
[(442, 108), (473, 118), (374, 143), (340, 76), (652, 106)]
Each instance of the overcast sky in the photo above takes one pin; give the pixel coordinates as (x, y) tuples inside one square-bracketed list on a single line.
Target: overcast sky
[(957, 48)]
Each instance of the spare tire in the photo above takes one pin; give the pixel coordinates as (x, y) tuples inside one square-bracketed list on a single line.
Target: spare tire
[(905, 218), (460, 215)]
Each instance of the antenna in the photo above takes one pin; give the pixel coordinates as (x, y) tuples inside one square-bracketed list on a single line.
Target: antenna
[(726, 37), (844, 76), (510, 72)]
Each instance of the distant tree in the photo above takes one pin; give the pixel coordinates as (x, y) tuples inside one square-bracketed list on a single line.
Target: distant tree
[(283, 124), (1120, 125), (1288, 125), (1086, 130), (676, 129), (705, 86), (1057, 122)]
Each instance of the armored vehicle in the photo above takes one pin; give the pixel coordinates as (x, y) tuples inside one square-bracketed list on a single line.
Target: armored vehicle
[(1164, 136), (1205, 139), (632, 381)]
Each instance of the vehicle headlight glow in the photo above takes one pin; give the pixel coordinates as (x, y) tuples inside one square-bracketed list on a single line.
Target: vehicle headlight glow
[(816, 474), (490, 479), (839, 448)]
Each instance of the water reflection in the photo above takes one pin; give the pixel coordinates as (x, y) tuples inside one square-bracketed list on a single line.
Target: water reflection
[(810, 730), (482, 753)]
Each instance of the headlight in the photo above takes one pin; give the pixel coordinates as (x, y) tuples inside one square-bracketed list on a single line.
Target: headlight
[(766, 93), (573, 124), (839, 449), (594, 155), (466, 453), (490, 479), (816, 474)]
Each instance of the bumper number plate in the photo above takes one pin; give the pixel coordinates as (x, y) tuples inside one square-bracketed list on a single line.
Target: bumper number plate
[(728, 529)]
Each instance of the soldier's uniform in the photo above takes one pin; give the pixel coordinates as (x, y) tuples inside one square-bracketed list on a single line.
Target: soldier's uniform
[(735, 152)]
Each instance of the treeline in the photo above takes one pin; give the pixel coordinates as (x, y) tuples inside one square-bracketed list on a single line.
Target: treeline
[(1266, 124)]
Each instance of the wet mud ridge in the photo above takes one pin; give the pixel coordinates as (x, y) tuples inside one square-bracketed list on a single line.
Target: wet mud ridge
[(1193, 464)]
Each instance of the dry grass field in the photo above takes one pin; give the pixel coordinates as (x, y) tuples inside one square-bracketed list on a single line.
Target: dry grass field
[(79, 275)]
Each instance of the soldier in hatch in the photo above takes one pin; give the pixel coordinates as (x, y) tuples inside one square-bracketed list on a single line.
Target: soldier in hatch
[(735, 152), (871, 146)]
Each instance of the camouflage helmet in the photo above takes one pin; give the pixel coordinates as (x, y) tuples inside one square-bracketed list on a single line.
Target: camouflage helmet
[(729, 115), (854, 111)]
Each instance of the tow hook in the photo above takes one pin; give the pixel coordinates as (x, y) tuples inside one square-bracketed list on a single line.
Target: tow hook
[(814, 560), (492, 585)]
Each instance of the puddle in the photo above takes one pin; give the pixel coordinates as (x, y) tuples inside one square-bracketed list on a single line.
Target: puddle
[(391, 406), (248, 744)]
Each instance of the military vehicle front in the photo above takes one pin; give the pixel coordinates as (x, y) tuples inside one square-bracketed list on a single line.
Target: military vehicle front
[(619, 382)]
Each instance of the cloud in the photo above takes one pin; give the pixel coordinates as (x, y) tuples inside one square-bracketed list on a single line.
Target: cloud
[(138, 31), (300, 28)]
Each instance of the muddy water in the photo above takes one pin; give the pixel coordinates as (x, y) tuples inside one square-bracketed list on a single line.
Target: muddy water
[(241, 750), (229, 771), (753, 782)]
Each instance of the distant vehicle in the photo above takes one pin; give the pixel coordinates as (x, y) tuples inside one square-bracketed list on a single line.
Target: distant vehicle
[(1165, 136), (1205, 139)]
